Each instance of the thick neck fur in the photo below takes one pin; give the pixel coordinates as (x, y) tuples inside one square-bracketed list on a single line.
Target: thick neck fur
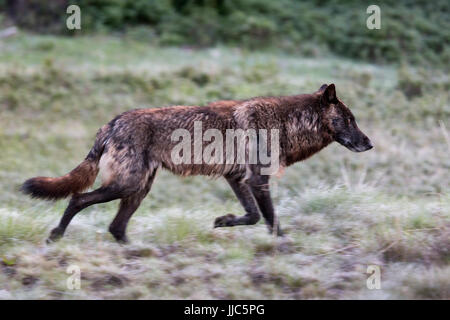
[(305, 130), (299, 119)]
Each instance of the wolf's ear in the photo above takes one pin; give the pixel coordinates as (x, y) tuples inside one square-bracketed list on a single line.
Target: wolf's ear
[(322, 88), (329, 94)]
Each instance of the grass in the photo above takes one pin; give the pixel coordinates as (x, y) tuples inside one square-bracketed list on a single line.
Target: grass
[(342, 211)]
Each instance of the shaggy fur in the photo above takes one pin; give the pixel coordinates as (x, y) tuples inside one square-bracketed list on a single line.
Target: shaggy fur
[(133, 146)]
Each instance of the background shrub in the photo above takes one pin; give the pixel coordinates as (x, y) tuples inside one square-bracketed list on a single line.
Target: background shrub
[(416, 31)]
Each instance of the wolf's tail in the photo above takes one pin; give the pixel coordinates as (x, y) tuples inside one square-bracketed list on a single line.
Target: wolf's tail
[(76, 181)]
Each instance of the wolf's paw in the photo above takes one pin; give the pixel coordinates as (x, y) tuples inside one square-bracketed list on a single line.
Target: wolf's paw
[(119, 235), (122, 239), (279, 232), (55, 235), (225, 221)]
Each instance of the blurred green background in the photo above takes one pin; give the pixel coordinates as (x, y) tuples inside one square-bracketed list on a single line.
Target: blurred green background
[(341, 211), (413, 30)]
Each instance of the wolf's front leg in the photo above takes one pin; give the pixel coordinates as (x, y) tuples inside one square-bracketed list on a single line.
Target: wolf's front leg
[(259, 185), (244, 194)]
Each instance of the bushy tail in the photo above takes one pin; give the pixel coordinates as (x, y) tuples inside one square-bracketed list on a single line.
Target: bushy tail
[(76, 181)]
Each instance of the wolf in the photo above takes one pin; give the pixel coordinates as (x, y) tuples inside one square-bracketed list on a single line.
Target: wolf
[(131, 148)]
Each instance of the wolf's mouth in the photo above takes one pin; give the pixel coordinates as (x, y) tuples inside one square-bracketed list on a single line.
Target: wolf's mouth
[(352, 147)]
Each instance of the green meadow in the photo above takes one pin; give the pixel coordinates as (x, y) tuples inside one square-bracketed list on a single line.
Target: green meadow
[(341, 211)]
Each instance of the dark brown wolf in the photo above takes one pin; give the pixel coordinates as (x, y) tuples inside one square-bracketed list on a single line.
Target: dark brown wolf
[(130, 149)]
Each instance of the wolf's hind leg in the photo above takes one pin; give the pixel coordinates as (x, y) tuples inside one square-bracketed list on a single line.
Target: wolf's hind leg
[(126, 209), (80, 202), (244, 194)]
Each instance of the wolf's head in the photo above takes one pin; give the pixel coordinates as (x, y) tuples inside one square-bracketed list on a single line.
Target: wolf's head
[(340, 122)]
